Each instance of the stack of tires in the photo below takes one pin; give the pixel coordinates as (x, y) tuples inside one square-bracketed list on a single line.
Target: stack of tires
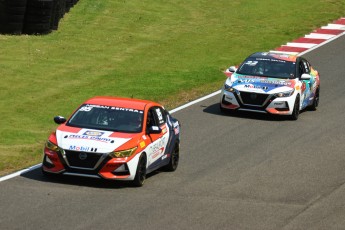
[(38, 17), (32, 16), (12, 14)]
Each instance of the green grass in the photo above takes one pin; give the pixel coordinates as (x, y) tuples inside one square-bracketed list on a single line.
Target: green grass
[(167, 51)]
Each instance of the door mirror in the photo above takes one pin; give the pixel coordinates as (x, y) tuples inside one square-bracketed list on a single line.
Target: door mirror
[(154, 130), (232, 69), (59, 120), (305, 76)]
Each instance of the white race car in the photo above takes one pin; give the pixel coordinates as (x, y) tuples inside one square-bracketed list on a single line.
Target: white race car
[(273, 83)]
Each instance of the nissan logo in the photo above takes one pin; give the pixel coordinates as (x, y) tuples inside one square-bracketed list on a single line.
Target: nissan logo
[(82, 156), (253, 96)]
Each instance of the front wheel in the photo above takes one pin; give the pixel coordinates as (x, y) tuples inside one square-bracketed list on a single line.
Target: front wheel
[(295, 112), (140, 175)]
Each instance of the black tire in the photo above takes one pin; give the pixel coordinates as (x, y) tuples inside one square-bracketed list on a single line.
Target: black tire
[(15, 2), (41, 4), (315, 100), (37, 28), (140, 174), (37, 20), (295, 112), (174, 159)]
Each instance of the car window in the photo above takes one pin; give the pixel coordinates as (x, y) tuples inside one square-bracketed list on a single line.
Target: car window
[(306, 66), (268, 67), (107, 118), (158, 116)]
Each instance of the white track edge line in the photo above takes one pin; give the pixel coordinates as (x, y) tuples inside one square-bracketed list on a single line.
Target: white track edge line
[(7, 177), (195, 101), (321, 44), (10, 176)]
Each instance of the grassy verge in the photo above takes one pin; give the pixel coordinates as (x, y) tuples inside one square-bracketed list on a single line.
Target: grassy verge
[(167, 51)]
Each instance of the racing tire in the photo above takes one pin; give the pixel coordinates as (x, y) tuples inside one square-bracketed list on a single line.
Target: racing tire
[(174, 159), (140, 174), (295, 112), (315, 100)]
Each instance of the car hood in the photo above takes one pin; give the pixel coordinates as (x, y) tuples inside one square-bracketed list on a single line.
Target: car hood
[(90, 140), (260, 84)]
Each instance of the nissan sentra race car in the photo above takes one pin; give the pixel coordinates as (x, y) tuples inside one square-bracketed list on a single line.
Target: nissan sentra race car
[(113, 138), (273, 83)]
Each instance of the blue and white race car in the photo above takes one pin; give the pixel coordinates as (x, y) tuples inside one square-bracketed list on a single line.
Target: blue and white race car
[(274, 83)]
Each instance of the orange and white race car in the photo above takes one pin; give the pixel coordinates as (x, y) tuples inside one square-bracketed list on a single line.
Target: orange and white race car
[(113, 138)]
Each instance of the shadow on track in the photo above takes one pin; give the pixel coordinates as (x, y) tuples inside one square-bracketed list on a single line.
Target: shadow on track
[(37, 175), (215, 110)]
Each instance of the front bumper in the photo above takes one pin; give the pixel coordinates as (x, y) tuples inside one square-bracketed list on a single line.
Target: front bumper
[(257, 102), (95, 165)]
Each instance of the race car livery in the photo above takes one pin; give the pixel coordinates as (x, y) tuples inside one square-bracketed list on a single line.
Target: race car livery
[(113, 138), (271, 83)]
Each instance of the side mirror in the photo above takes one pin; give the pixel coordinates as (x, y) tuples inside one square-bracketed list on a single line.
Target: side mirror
[(232, 69), (154, 130), (59, 120), (305, 76)]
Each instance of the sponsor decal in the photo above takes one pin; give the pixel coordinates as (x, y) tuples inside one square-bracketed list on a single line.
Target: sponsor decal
[(93, 138), (93, 133), (89, 107), (142, 144), (127, 109), (252, 77), (79, 148), (256, 87), (278, 103), (164, 130), (157, 152), (82, 148), (287, 83)]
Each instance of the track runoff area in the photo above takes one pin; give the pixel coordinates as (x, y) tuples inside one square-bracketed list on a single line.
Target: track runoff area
[(300, 46)]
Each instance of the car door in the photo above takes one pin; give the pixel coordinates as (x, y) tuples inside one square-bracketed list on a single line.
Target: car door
[(157, 148), (307, 84)]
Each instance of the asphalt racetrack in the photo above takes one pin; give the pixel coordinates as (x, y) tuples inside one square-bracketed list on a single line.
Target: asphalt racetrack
[(242, 171)]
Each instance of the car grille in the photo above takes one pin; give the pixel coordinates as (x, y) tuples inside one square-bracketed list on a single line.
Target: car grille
[(82, 159), (257, 99)]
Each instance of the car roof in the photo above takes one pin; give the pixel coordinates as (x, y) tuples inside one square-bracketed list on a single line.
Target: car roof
[(120, 102), (275, 55)]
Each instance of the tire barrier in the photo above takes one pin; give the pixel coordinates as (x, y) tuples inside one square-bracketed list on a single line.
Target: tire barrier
[(32, 16)]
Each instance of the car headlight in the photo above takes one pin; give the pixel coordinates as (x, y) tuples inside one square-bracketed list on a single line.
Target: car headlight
[(285, 94), (229, 88), (123, 153), (51, 146)]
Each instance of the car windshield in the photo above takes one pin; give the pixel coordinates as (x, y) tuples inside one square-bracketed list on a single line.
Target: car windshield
[(110, 118), (268, 67)]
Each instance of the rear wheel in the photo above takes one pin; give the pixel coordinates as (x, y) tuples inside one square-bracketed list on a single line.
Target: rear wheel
[(140, 175), (315, 100), (295, 112), (174, 159)]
